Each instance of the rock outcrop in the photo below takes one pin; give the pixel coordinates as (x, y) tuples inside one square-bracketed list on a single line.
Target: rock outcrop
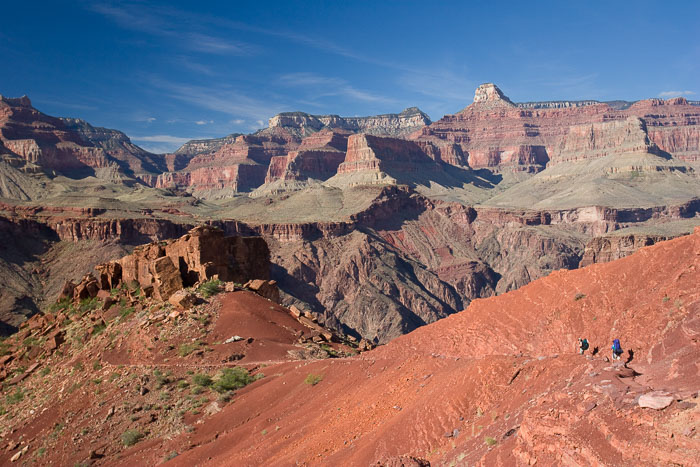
[(68, 146), (494, 133), (303, 124), (163, 268)]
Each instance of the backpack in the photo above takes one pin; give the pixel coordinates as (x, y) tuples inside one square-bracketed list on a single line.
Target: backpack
[(616, 346), (584, 344)]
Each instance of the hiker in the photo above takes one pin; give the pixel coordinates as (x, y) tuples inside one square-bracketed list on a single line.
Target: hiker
[(616, 349), (582, 345)]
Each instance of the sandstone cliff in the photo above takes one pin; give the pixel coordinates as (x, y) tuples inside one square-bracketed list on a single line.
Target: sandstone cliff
[(303, 124)]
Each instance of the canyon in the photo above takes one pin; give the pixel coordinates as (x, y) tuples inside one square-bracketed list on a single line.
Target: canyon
[(377, 225)]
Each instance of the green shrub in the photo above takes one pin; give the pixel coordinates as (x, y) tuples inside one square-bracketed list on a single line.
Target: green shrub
[(88, 304), (60, 305), (490, 441), (161, 379), (210, 288), (15, 397), (131, 437), (203, 380), (126, 312), (232, 378), (96, 365), (186, 349), (313, 379)]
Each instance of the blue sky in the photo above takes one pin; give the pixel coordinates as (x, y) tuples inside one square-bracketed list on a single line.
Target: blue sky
[(168, 72)]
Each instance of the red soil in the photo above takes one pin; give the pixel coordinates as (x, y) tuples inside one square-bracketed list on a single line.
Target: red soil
[(498, 384)]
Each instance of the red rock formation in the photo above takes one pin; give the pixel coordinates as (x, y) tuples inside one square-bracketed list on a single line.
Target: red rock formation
[(495, 133), (238, 166), (317, 157), (67, 145)]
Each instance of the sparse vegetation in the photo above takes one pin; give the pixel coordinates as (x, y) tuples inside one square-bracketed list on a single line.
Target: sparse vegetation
[(490, 441), (186, 349), (313, 380), (131, 437), (126, 312), (210, 288), (232, 378), (665, 299), (96, 365), (200, 379), (45, 371), (88, 304), (579, 296), (15, 397)]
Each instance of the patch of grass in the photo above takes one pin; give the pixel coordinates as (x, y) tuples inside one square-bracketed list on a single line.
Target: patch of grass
[(197, 390), (96, 365), (579, 296), (60, 305), (45, 371), (98, 328), (172, 455), (210, 288), (313, 380), (200, 379), (88, 304), (15, 397), (490, 441), (4, 347), (665, 299), (126, 312), (264, 432), (30, 341), (232, 378), (131, 437), (40, 452), (161, 379), (186, 349), (330, 350), (78, 366)]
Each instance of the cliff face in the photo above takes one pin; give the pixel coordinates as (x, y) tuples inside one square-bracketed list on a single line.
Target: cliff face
[(68, 146), (317, 158), (497, 134), (303, 124)]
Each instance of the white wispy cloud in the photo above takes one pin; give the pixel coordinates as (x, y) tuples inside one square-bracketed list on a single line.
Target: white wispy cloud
[(666, 94), (220, 98), (203, 122), (172, 24), (161, 139), (324, 86)]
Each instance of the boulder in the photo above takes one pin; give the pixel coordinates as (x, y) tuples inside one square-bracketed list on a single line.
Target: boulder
[(296, 312), (167, 278), (182, 299), (655, 400), (267, 289)]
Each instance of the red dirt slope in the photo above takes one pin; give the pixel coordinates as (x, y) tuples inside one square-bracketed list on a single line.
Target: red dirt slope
[(498, 384)]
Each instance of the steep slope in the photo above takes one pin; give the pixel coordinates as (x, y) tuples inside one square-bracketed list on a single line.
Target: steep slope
[(498, 384)]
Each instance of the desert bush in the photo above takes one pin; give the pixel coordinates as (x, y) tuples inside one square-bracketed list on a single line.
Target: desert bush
[(489, 440), (131, 437), (579, 296), (313, 379), (210, 288), (232, 378), (203, 380), (186, 349)]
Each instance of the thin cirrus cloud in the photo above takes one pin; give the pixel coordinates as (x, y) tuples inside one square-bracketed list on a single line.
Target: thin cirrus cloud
[(164, 24), (219, 99), (675, 93), (324, 86), (161, 139)]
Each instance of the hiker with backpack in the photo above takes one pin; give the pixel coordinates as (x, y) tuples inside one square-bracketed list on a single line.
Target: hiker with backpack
[(616, 349), (582, 345)]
